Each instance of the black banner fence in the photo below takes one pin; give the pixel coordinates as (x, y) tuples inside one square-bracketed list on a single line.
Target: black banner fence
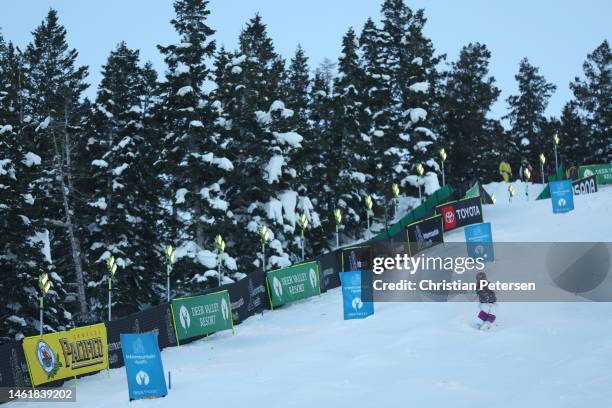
[(329, 270), (157, 319)]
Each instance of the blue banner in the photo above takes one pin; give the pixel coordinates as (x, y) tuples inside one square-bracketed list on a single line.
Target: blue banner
[(479, 241), (561, 196), (143, 365), (353, 293)]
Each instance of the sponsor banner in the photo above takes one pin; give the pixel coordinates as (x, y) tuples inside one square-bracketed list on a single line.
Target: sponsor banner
[(353, 294), (561, 196), (457, 214), (358, 258), (66, 354), (293, 283), (143, 366), (202, 315), (424, 234), (248, 296), (329, 268), (157, 319), (13, 367), (479, 241), (586, 185), (602, 171)]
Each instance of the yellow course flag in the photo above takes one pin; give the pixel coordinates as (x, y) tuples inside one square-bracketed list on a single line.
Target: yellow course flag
[(66, 354)]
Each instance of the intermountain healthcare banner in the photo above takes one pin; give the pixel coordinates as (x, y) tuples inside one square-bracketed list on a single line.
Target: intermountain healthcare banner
[(66, 354), (358, 258), (561, 196), (479, 241), (353, 288), (201, 315), (143, 366), (424, 234), (586, 185), (602, 171), (457, 214), (157, 319), (293, 283)]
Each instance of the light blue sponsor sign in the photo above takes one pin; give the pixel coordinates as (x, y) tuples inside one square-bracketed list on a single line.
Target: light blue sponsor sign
[(143, 365)]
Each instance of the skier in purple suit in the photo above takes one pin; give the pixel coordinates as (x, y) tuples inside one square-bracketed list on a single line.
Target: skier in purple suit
[(487, 302)]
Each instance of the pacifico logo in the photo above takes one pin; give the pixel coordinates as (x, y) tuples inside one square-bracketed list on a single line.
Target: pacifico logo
[(313, 278), (278, 287), (45, 356), (142, 378), (184, 317), (224, 309)]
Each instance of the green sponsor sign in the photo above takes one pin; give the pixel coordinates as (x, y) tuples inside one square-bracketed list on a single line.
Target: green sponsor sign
[(602, 171), (201, 315), (293, 283)]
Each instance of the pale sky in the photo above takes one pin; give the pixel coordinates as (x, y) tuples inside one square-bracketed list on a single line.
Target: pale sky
[(555, 35)]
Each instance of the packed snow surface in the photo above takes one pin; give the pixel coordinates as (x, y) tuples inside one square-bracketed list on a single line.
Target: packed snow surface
[(408, 354)]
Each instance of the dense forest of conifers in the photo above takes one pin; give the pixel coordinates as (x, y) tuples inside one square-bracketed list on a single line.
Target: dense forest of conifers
[(156, 160)]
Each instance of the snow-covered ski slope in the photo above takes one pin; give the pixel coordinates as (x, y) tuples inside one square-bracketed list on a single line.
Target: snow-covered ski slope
[(407, 354)]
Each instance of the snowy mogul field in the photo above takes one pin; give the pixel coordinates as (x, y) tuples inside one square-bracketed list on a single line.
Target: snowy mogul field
[(414, 354)]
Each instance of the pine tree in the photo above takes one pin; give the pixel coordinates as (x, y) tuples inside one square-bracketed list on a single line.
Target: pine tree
[(574, 132), (322, 140), (121, 214), (415, 86), (55, 118), (594, 95), (297, 86), (347, 178), (265, 149), (526, 115), (383, 147), (24, 245), (195, 160), (469, 93)]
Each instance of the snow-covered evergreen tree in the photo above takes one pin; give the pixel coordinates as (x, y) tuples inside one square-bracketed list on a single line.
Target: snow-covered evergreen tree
[(25, 250), (593, 94), (575, 135), (265, 149), (297, 90), (196, 165), (527, 113), (414, 78), (324, 152), (121, 188), (469, 93), (383, 147), (55, 116), (347, 164)]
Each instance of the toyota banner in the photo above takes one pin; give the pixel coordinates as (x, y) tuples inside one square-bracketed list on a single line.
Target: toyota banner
[(458, 214)]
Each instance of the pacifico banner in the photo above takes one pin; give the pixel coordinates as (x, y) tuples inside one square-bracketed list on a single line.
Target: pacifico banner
[(66, 354), (293, 283), (202, 315), (457, 214)]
